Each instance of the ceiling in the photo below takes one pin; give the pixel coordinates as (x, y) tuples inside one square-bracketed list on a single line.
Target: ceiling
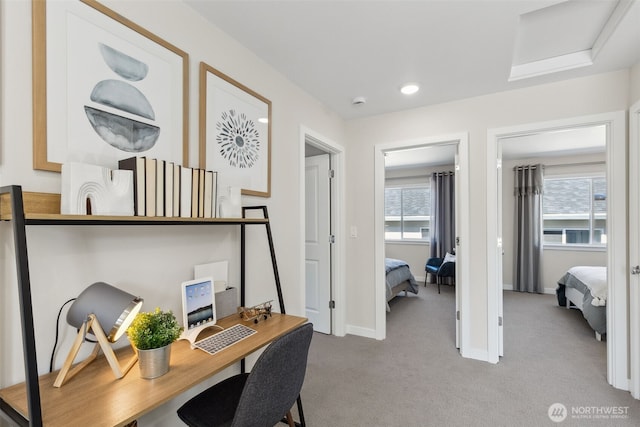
[(339, 50)]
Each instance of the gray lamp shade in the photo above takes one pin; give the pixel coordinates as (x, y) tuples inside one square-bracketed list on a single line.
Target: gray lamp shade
[(115, 309)]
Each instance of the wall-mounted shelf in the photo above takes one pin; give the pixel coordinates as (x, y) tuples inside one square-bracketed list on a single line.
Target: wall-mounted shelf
[(23, 209), (44, 209)]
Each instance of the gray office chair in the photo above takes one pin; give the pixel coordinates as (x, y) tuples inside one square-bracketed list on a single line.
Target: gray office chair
[(262, 397)]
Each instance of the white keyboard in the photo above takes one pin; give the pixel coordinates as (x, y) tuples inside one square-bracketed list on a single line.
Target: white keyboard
[(224, 338)]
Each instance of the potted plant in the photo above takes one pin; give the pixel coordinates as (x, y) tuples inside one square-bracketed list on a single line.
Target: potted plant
[(152, 333)]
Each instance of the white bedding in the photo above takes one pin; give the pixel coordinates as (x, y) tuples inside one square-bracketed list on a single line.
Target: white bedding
[(596, 277)]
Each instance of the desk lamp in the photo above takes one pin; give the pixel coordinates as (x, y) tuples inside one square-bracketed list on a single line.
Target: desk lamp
[(107, 312)]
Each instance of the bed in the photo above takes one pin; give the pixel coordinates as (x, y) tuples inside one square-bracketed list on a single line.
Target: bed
[(585, 288), (398, 278)]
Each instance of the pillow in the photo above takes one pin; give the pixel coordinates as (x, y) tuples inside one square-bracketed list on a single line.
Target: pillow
[(449, 258)]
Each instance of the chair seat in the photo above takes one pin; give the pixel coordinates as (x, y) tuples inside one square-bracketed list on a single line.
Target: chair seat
[(217, 404), (261, 398), (433, 265)]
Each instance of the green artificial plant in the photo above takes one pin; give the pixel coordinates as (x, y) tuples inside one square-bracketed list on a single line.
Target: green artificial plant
[(154, 329)]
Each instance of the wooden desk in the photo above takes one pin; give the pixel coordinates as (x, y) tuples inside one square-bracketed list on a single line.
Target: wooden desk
[(94, 397)]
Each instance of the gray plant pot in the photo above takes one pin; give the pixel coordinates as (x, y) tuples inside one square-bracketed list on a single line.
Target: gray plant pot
[(155, 362)]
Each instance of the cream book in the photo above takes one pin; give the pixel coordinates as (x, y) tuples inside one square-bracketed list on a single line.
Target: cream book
[(150, 168), (195, 191), (185, 192), (160, 165), (168, 189), (177, 172), (208, 194)]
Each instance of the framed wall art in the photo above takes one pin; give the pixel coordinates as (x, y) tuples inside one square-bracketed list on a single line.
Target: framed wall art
[(235, 133), (104, 88)]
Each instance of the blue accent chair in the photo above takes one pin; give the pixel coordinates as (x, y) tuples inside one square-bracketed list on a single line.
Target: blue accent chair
[(439, 269)]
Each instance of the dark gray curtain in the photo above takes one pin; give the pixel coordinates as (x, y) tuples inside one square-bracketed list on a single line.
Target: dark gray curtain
[(528, 232), (443, 220)]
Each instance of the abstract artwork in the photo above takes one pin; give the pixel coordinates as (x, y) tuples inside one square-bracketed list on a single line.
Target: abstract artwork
[(126, 134), (235, 133), (120, 89)]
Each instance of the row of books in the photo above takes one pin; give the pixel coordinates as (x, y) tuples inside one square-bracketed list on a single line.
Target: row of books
[(163, 188)]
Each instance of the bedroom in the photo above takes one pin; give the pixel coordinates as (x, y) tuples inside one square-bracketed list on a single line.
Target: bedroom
[(409, 219), (573, 214)]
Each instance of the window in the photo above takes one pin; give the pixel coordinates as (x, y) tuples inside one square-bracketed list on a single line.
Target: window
[(406, 213), (575, 211)]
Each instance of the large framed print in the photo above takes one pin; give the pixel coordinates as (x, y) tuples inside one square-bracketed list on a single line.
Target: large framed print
[(104, 88), (235, 133)]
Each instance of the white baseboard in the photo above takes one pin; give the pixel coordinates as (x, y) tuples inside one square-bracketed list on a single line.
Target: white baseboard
[(360, 331), (509, 287), (476, 354)]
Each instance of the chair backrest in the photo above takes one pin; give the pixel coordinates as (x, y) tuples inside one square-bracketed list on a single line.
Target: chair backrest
[(275, 381)]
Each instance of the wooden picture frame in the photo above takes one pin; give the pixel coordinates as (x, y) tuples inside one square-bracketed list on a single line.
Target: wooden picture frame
[(235, 133), (118, 91)]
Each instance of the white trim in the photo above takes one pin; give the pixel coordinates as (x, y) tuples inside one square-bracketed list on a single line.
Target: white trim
[(336, 151), (463, 274), (475, 353), (360, 331), (634, 248), (616, 249)]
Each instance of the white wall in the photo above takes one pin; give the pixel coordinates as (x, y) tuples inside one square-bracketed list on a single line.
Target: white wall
[(584, 96), (635, 84), (149, 261), (555, 262)]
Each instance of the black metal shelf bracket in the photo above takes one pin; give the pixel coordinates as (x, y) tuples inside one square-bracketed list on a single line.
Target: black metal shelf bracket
[(26, 311)]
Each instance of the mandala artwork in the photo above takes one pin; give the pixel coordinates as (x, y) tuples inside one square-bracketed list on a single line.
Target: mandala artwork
[(238, 139)]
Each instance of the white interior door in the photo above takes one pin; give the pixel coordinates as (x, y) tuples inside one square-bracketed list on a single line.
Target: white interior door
[(634, 248), (317, 242)]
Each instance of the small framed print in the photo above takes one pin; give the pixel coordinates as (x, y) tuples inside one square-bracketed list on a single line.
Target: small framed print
[(235, 133), (104, 88)]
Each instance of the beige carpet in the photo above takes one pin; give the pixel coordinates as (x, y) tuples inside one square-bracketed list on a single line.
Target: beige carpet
[(417, 378)]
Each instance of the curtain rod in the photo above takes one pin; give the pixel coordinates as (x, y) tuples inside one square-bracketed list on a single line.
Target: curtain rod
[(561, 165)]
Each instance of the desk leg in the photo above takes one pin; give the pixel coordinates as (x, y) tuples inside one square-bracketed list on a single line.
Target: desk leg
[(301, 412)]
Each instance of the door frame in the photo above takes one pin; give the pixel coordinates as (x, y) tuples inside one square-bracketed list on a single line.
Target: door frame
[(634, 248), (462, 250), (616, 167), (338, 273)]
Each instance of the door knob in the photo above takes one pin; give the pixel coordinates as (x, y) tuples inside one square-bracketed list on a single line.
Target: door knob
[(635, 270)]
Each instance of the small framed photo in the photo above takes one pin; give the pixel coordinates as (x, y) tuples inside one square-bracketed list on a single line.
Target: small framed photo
[(104, 88), (235, 133)]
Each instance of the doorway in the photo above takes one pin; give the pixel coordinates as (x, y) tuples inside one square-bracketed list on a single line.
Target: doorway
[(616, 225), (460, 142), (322, 231)]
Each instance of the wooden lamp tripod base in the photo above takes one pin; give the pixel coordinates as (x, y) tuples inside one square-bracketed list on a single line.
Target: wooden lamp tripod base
[(92, 324)]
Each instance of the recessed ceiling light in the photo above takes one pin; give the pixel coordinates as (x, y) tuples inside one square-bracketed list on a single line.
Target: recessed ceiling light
[(359, 100), (410, 88)]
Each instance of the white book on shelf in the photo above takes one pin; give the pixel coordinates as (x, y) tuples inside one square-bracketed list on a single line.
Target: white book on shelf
[(208, 193), (185, 191), (168, 189), (160, 165), (150, 168), (177, 172)]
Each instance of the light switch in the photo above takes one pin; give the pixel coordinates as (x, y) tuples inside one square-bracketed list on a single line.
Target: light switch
[(354, 231)]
